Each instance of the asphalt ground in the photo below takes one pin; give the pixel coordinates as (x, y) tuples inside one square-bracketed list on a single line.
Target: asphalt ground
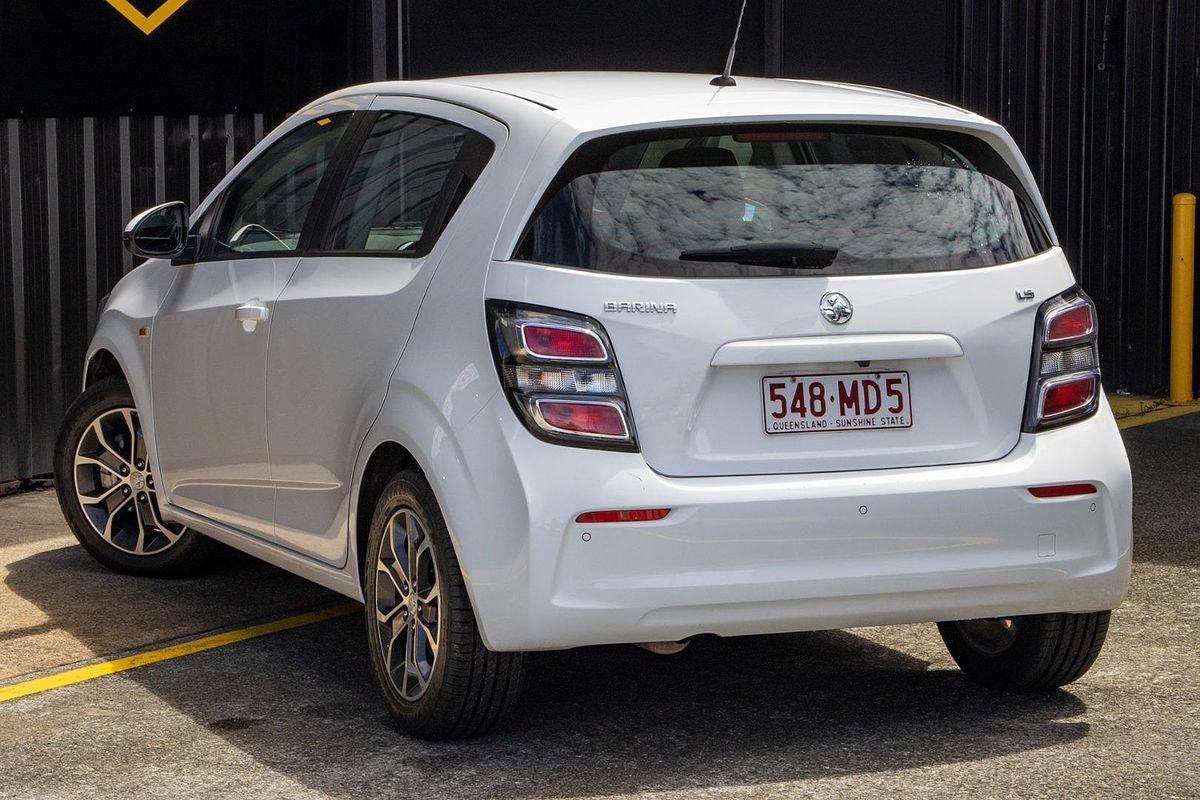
[(865, 713)]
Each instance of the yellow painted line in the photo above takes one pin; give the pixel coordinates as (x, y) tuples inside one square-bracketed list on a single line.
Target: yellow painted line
[(80, 674), (1131, 405), (1157, 415)]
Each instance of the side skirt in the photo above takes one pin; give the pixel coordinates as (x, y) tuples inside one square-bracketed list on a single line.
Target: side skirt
[(337, 580)]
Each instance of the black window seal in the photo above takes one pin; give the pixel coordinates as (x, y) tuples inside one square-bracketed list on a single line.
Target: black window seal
[(333, 182)]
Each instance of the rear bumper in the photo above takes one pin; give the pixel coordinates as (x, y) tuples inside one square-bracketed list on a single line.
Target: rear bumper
[(749, 555)]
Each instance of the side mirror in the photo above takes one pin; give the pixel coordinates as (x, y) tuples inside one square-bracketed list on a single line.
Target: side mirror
[(159, 232)]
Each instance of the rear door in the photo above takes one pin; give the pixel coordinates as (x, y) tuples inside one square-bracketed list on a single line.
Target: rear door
[(802, 299), (341, 323)]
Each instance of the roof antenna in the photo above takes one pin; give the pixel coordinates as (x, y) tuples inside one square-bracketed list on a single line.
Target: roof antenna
[(724, 78)]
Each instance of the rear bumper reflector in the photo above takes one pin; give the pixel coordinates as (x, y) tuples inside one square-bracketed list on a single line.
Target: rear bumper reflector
[(1063, 490), (627, 515)]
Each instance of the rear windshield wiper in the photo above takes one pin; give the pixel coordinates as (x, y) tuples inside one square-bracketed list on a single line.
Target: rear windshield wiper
[(797, 255)]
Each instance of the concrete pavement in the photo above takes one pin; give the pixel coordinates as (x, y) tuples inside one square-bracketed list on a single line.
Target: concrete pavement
[(864, 713)]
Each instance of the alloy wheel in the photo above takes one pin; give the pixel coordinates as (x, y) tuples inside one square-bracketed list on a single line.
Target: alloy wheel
[(408, 604), (115, 488)]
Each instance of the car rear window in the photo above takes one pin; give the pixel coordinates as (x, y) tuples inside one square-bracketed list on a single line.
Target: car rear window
[(875, 200)]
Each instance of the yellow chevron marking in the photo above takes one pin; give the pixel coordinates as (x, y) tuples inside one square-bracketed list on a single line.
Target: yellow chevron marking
[(143, 23)]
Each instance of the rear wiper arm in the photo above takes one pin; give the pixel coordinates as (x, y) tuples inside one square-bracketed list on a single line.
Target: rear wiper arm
[(797, 255)]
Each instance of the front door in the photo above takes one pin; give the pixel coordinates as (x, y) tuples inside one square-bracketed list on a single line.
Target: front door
[(209, 341)]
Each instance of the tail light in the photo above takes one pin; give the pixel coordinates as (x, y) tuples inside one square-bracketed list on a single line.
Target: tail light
[(1065, 380), (561, 376)]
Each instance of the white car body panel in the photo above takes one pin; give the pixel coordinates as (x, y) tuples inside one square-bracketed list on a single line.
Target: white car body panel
[(333, 307), (708, 419), (375, 352), (210, 388), (744, 555)]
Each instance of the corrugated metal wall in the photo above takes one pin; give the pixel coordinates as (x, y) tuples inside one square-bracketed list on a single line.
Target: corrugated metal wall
[(1103, 98), (67, 186), (1109, 145)]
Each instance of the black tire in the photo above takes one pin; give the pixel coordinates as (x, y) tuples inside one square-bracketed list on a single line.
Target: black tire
[(168, 549), (1036, 653), (468, 690)]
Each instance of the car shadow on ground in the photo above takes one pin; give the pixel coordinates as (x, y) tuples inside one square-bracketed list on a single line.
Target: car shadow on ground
[(109, 612), (601, 720)]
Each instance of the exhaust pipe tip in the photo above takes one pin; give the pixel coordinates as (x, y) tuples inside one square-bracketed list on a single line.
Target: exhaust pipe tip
[(662, 648)]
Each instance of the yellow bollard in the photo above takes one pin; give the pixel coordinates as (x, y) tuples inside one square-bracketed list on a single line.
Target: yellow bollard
[(1183, 292)]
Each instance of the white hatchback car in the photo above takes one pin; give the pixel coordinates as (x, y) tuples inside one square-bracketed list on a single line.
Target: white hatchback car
[(547, 360)]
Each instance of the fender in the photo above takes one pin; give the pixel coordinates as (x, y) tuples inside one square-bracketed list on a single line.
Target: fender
[(486, 514), (130, 310)]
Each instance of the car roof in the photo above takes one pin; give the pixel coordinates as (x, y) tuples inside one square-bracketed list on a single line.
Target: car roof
[(548, 114), (601, 100)]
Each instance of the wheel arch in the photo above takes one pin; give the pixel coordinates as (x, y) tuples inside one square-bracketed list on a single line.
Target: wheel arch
[(386, 460), (412, 431), (100, 365), (116, 351)]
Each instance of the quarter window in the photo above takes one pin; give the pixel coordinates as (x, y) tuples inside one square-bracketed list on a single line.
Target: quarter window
[(403, 186), (265, 208)]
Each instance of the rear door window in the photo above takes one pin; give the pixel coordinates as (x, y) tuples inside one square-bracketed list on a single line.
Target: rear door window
[(872, 200), (408, 179)]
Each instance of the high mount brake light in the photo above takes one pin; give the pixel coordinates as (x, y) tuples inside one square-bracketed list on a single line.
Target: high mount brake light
[(1064, 382), (781, 136), (560, 374)]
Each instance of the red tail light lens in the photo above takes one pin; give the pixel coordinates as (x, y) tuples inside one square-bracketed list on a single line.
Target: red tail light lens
[(574, 344), (560, 374), (1071, 323), (1064, 381), (575, 416), (629, 515), (1063, 490), (1066, 395)]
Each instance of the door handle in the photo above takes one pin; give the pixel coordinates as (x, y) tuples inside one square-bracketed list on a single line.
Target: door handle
[(251, 314)]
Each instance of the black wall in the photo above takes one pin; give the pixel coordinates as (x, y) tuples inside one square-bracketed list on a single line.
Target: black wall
[(81, 57), (98, 120)]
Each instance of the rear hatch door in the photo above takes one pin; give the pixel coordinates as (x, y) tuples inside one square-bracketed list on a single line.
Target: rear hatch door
[(742, 353)]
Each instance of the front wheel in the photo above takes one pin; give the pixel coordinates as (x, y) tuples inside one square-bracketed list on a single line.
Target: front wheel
[(105, 483), (1019, 654), (439, 680)]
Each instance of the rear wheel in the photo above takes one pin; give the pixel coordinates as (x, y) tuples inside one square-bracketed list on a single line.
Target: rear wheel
[(1041, 651), (439, 680), (105, 484)]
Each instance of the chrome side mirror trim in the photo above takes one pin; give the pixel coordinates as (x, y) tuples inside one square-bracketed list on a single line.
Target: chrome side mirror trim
[(149, 235)]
